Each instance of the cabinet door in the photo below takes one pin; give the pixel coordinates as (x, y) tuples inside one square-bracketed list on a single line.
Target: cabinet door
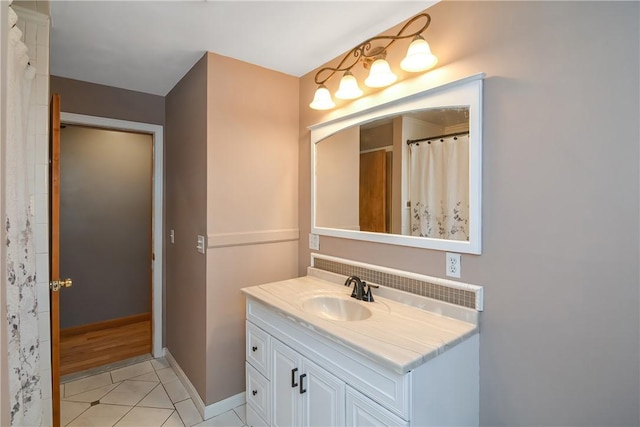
[(285, 385), (253, 419), (364, 412), (322, 398)]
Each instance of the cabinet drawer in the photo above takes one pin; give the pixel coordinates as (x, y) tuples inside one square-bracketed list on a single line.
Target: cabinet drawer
[(258, 392), (258, 349), (362, 411), (254, 420)]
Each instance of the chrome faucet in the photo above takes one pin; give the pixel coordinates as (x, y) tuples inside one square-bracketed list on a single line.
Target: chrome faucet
[(359, 292)]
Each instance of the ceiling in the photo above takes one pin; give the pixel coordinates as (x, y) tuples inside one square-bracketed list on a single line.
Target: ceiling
[(148, 46)]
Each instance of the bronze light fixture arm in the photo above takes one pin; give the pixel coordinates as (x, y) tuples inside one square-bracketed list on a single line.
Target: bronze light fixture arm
[(365, 52)]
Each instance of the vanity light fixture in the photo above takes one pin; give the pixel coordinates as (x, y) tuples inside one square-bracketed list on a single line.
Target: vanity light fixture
[(419, 58)]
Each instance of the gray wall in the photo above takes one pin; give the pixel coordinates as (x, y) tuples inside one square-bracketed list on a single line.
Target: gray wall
[(105, 101), (186, 213), (105, 224), (559, 340)]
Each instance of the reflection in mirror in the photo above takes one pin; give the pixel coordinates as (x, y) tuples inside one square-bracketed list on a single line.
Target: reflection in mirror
[(439, 175), (410, 171), (356, 183)]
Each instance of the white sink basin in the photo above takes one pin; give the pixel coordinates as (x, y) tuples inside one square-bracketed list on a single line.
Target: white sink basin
[(336, 308)]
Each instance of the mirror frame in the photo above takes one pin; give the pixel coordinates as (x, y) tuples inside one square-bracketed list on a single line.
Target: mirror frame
[(466, 91)]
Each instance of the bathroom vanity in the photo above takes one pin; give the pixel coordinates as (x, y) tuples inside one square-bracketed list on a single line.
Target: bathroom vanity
[(317, 357)]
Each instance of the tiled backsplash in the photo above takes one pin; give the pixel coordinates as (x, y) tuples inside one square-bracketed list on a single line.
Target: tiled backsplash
[(462, 294)]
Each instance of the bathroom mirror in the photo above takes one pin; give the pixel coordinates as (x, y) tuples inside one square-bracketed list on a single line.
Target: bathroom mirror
[(407, 172)]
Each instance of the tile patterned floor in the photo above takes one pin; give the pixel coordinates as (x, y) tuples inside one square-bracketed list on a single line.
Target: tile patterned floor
[(144, 394)]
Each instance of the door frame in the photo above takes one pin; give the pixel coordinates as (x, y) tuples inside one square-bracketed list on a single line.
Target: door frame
[(157, 221)]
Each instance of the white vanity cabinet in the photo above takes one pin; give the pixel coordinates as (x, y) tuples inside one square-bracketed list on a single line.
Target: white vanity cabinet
[(298, 392), (298, 376), (307, 395)]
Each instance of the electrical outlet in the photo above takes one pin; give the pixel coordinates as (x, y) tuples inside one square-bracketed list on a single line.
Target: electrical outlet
[(314, 242), (453, 265)]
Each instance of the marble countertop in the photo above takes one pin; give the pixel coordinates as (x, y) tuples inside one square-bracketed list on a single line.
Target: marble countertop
[(397, 336)]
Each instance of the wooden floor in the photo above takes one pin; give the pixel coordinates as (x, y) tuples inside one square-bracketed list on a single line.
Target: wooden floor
[(95, 345)]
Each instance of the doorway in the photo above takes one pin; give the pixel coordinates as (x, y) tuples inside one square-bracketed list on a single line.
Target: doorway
[(105, 245), (155, 254)]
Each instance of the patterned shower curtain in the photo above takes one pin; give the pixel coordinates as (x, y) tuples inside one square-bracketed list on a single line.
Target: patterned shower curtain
[(22, 314), (439, 188)]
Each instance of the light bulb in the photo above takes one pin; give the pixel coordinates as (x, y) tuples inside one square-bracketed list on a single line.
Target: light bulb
[(419, 56), (380, 74), (349, 88), (322, 99)]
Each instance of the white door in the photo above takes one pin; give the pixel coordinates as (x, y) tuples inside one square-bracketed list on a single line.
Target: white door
[(323, 397), (285, 385)]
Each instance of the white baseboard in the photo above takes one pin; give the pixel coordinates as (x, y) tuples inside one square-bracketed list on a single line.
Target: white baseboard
[(224, 405), (208, 411)]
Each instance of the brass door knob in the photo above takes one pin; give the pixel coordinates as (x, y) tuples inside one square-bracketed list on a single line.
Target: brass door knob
[(57, 284)]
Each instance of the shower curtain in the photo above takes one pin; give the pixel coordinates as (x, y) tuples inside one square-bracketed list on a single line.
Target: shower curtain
[(22, 314), (439, 188)]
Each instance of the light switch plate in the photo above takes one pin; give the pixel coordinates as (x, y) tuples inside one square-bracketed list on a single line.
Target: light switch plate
[(201, 245)]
